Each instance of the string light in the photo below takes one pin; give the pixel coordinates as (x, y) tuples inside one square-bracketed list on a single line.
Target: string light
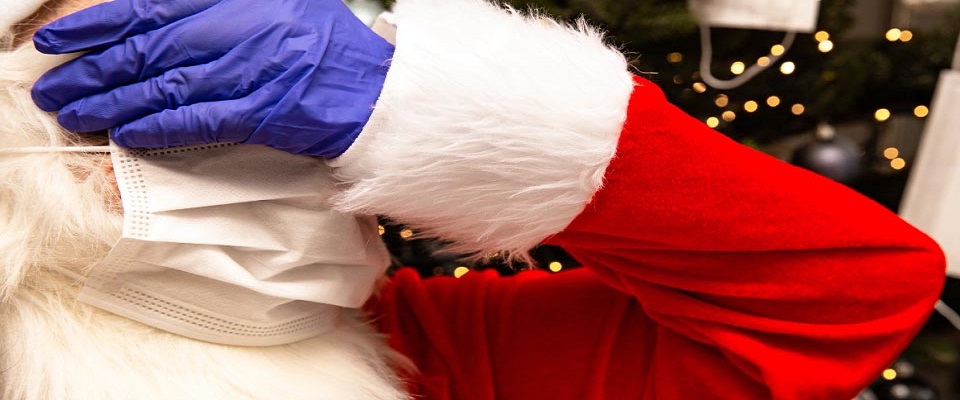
[(777, 49), (897, 163), (763, 61), (737, 67), (699, 87), (713, 122), (797, 109), (381, 230), (825, 46), (889, 374), (881, 115), (773, 101), (905, 36), (721, 100), (788, 67), (555, 266), (921, 111), (674, 58), (891, 153), (893, 34), (460, 271), (900, 391), (750, 106), (677, 79), (406, 233), (821, 36), (728, 116)]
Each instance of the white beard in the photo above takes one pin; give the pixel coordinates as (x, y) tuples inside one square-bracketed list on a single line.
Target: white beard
[(54, 212)]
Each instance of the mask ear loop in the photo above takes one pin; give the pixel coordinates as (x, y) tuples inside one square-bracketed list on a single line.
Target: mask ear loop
[(706, 58)]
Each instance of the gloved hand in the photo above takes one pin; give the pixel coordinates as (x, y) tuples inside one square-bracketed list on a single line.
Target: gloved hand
[(298, 75)]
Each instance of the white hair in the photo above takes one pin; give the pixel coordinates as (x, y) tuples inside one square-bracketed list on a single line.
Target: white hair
[(60, 211)]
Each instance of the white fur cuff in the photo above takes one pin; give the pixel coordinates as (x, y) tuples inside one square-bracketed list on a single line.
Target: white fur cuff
[(493, 130)]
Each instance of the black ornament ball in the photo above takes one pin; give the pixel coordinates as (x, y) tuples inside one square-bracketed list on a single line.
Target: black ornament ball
[(835, 157)]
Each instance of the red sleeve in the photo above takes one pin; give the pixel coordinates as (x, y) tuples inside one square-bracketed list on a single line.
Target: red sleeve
[(713, 272), (767, 281), (536, 335)]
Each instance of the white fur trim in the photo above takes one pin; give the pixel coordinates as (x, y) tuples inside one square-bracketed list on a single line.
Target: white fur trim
[(493, 129)]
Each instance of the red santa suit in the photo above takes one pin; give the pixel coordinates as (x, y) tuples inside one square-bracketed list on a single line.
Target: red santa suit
[(712, 271)]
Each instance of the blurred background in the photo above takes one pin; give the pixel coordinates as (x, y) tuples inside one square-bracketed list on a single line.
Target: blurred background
[(849, 94)]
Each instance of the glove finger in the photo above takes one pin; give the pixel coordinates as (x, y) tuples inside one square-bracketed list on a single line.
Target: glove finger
[(191, 41), (112, 22), (200, 123), (215, 81)]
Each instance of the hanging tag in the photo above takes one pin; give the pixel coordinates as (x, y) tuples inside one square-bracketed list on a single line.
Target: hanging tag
[(773, 15), (932, 198)]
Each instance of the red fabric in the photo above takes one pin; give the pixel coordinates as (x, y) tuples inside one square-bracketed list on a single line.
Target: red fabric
[(712, 272)]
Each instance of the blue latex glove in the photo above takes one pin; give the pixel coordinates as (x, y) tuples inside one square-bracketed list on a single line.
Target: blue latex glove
[(298, 75)]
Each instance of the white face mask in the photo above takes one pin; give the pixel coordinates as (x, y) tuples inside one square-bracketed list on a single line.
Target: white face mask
[(233, 244)]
